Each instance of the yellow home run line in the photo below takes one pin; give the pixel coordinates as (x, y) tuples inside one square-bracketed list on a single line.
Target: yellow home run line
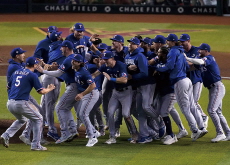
[(39, 30)]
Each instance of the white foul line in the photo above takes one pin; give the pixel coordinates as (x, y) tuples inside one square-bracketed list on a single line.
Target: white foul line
[(225, 77)]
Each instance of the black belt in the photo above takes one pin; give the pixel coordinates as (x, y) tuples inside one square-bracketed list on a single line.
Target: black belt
[(122, 89), (212, 85)]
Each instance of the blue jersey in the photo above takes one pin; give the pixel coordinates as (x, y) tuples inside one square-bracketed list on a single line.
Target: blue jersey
[(140, 76), (149, 55), (210, 71), (42, 49), (55, 53), (120, 56), (119, 70), (83, 41), (83, 79), (99, 79), (194, 76), (176, 64), (21, 83), (13, 66), (66, 68)]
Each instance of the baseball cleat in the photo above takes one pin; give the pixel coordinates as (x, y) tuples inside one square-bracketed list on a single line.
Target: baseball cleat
[(227, 138), (220, 137), (162, 132), (73, 136), (117, 134), (4, 141), (25, 139), (62, 139), (54, 136), (97, 134), (92, 142), (169, 139), (44, 142), (204, 132), (182, 134), (196, 135), (144, 140), (40, 148), (111, 141)]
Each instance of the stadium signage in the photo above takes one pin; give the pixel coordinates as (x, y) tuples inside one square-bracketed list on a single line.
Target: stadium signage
[(210, 10)]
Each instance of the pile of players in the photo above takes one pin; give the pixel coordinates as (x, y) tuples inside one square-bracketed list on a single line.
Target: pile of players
[(142, 80)]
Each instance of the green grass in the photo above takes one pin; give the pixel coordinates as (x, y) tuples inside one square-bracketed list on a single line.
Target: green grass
[(22, 33), (184, 152)]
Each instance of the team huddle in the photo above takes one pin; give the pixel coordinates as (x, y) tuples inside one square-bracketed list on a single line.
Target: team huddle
[(142, 80)]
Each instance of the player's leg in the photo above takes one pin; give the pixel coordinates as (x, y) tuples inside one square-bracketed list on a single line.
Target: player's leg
[(216, 95), (63, 109)]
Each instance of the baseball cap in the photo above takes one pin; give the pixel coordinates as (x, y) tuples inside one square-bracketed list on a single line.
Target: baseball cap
[(102, 46), (147, 41), (184, 37), (159, 39), (67, 43), (52, 29), (172, 37), (31, 61), (134, 40), (79, 27), (204, 46), (118, 38), (54, 36), (107, 55), (17, 51), (77, 57)]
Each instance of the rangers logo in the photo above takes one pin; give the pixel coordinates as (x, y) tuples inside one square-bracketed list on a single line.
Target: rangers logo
[(124, 74), (62, 67), (89, 81)]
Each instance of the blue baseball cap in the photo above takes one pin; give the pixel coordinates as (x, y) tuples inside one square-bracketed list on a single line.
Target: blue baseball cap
[(67, 43), (204, 46), (159, 39), (172, 37), (79, 27), (52, 29), (31, 61), (16, 51), (118, 38), (77, 57), (134, 40), (54, 36), (107, 55), (147, 41), (184, 37), (102, 46)]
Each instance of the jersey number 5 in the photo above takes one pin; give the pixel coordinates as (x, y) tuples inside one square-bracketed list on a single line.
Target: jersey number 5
[(17, 83)]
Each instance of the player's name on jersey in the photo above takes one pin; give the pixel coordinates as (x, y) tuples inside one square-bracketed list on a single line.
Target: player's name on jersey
[(128, 9), (22, 72)]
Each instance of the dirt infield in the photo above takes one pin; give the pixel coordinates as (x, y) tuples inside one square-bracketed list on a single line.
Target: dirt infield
[(77, 17)]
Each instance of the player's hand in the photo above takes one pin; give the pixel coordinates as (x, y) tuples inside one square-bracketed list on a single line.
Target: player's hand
[(79, 97), (39, 68), (80, 46), (40, 62), (46, 67), (129, 77), (1, 60), (132, 67), (51, 87), (106, 75), (54, 66), (92, 38)]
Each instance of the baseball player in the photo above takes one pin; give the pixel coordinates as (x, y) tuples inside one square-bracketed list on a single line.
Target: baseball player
[(67, 100), (212, 80), (81, 42), (116, 72), (158, 42), (195, 76), (165, 97), (88, 95), (17, 62), (176, 64), (20, 85), (138, 78), (50, 99)]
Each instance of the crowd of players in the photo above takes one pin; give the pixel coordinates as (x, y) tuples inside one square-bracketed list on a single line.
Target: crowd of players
[(142, 80)]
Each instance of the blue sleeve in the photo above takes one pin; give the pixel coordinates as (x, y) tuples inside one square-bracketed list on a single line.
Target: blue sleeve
[(143, 67), (11, 70), (89, 79), (102, 68), (123, 71), (36, 83), (171, 59), (208, 60), (65, 65)]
